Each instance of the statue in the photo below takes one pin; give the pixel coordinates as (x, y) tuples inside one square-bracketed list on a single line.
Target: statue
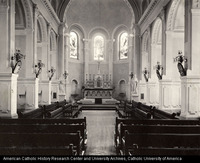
[(134, 83), (61, 87), (146, 74)]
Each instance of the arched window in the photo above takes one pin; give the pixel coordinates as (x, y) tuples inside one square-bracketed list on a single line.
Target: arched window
[(98, 48), (123, 46), (73, 45)]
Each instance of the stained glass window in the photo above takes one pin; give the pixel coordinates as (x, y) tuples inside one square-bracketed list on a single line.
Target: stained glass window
[(123, 46), (73, 45), (98, 48)]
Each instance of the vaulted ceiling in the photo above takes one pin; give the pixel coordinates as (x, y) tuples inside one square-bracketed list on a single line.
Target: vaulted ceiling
[(138, 6)]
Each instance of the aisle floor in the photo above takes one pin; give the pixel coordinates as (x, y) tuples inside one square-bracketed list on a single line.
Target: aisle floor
[(100, 127)]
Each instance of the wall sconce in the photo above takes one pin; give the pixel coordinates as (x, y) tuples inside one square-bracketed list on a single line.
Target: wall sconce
[(65, 74), (159, 70), (180, 59), (51, 73), (146, 74), (38, 68), (131, 75), (16, 61)]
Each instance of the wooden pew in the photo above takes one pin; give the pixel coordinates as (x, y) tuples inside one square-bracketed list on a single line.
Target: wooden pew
[(151, 122), (30, 114), (44, 140), (57, 113), (71, 110), (192, 129), (149, 151), (169, 140), (159, 114), (45, 128), (39, 151)]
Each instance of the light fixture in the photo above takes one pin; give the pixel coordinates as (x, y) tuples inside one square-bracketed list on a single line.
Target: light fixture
[(159, 70), (65, 74), (146, 74), (181, 59), (51, 72), (131, 75), (38, 68), (16, 61)]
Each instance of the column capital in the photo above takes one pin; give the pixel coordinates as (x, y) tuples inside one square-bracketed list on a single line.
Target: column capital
[(62, 28)]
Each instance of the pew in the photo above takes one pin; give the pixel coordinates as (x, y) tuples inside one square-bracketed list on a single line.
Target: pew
[(166, 140), (41, 111), (159, 114), (151, 122), (44, 140), (57, 113), (71, 110), (192, 129), (45, 128), (30, 114)]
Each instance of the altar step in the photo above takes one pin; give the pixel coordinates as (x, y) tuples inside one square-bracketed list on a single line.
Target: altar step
[(98, 107)]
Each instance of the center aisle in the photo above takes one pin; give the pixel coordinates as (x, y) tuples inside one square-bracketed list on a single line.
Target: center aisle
[(100, 127)]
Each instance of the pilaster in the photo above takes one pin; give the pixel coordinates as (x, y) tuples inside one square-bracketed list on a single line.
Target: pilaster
[(190, 95), (28, 94), (8, 94)]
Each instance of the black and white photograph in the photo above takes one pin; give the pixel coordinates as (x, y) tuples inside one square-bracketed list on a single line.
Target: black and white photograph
[(99, 80)]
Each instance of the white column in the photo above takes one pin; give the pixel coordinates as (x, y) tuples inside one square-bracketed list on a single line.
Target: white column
[(8, 94), (8, 81), (86, 59), (190, 84), (45, 90)]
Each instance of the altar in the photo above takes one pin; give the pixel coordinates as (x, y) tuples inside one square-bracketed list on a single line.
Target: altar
[(96, 93)]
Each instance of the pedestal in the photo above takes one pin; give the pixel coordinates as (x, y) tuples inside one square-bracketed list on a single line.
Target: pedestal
[(28, 94), (152, 93), (54, 91), (142, 96), (190, 94), (45, 93), (169, 94), (8, 94)]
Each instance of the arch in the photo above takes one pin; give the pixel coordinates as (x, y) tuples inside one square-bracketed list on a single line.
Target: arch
[(28, 13), (20, 18), (53, 42), (78, 29), (171, 17), (157, 27), (131, 5), (101, 30), (74, 86), (145, 38), (122, 86), (43, 27)]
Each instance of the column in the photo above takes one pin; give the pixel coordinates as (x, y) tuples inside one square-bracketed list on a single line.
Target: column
[(8, 81), (86, 59), (29, 86), (45, 83), (62, 54), (190, 84), (136, 58)]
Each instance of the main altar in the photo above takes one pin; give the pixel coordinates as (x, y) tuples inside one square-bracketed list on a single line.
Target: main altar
[(98, 89)]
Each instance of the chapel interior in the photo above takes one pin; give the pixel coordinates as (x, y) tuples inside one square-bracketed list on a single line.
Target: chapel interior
[(110, 65)]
